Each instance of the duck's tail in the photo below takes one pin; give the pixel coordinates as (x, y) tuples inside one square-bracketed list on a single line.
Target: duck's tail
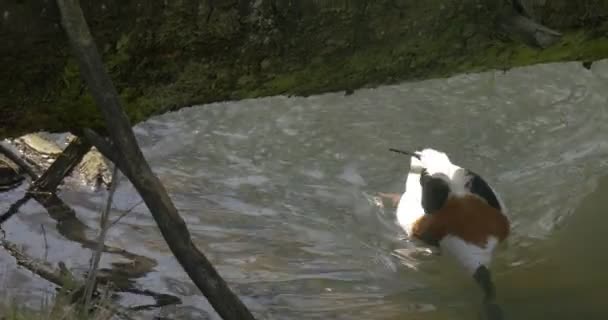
[(484, 279)]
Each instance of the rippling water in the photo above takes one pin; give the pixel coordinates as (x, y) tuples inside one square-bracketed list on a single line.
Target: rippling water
[(277, 193)]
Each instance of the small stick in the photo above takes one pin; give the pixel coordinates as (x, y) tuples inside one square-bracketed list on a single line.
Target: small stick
[(46, 243), (103, 226), (409, 153), (14, 208), (126, 212)]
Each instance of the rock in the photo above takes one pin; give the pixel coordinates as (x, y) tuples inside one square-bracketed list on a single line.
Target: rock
[(94, 169), (41, 145)]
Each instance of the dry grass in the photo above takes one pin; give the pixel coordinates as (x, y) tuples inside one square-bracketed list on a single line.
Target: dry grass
[(60, 308)]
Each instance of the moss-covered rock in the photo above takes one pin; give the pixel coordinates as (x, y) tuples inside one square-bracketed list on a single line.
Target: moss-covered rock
[(163, 55)]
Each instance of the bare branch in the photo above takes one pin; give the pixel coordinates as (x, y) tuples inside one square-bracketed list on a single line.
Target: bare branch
[(172, 226), (62, 166), (103, 229), (126, 212), (14, 208), (8, 151)]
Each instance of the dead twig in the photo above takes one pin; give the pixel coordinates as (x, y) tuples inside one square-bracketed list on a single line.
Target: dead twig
[(62, 166), (103, 229), (46, 243), (125, 213), (14, 208), (8, 151)]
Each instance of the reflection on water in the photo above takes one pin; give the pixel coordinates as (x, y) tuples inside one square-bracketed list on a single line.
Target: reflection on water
[(277, 193)]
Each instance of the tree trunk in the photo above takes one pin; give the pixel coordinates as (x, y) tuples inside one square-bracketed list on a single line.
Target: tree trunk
[(164, 55)]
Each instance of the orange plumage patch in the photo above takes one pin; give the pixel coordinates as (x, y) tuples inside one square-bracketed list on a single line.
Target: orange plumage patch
[(469, 218)]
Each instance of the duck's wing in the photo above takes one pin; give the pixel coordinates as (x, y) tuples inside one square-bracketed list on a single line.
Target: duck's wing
[(478, 186), (435, 192)]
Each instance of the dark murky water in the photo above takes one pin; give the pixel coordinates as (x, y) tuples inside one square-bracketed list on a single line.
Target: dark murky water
[(277, 192)]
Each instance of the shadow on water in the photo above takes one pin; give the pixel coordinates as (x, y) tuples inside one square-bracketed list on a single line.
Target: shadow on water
[(278, 194)]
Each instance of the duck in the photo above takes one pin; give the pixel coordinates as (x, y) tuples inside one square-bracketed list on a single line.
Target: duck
[(455, 210)]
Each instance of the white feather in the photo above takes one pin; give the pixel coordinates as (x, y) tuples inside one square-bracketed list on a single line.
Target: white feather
[(409, 209), (469, 256)]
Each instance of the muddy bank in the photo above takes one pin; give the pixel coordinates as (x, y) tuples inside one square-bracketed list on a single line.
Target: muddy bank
[(166, 55)]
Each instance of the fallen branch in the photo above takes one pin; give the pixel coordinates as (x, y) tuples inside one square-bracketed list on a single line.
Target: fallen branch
[(14, 208), (8, 151), (62, 166), (133, 164)]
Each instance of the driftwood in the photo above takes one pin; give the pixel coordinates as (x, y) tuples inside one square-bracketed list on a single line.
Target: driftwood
[(129, 158), (7, 150), (62, 166)]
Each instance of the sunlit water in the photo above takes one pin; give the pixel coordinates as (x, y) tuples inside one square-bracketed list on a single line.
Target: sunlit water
[(277, 192)]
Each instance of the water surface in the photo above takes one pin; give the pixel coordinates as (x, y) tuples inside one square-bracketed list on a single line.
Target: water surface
[(277, 192)]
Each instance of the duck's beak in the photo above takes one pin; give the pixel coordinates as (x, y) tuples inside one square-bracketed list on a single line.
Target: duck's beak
[(409, 153)]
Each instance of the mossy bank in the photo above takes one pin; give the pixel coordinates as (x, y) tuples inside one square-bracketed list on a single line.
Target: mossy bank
[(163, 55)]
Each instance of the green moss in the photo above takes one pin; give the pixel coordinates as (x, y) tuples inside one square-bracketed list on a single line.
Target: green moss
[(190, 53)]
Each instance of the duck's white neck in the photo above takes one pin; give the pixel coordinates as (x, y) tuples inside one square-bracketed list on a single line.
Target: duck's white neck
[(412, 183), (409, 209)]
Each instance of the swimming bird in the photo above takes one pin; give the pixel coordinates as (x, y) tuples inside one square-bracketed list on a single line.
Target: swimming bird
[(456, 210)]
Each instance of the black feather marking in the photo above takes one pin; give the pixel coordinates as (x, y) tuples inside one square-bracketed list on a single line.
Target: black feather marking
[(478, 186), (435, 192)]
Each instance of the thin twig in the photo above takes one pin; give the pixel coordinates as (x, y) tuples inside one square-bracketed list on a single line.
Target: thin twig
[(46, 243), (126, 212), (105, 215), (14, 208)]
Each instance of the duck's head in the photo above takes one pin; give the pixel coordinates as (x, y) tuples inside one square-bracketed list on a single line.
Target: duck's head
[(429, 160)]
